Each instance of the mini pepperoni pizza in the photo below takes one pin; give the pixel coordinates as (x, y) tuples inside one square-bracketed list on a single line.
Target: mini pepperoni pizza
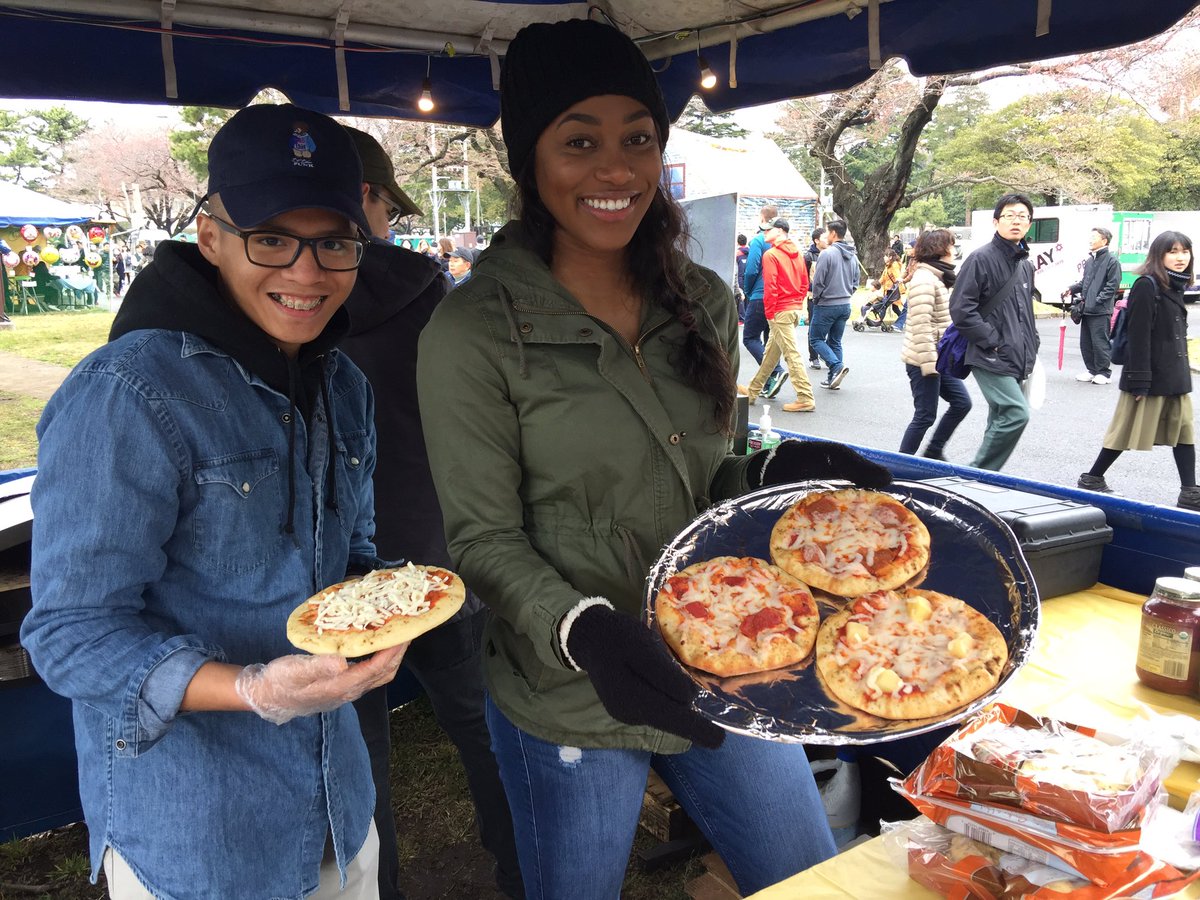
[(735, 615), (850, 542), (909, 654), (384, 608)]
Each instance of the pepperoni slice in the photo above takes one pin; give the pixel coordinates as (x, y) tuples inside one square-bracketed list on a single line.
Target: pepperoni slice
[(761, 620), (823, 506), (883, 557), (735, 580), (678, 584), (698, 610)]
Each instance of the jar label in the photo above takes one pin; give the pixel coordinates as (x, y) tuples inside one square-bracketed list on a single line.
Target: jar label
[(1164, 649)]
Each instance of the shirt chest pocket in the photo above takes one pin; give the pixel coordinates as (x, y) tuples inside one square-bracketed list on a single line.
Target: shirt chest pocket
[(350, 470), (240, 508)]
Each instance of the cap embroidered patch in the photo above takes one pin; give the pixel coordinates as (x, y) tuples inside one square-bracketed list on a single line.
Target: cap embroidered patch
[(302, 145)]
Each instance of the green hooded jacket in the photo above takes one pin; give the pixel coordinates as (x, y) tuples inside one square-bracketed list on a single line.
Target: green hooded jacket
[(564, 460)]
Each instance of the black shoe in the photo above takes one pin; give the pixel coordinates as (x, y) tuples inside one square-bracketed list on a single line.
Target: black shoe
[(836, 381), (773, 390), (1189, 498), (1100, 486), (930, 453)]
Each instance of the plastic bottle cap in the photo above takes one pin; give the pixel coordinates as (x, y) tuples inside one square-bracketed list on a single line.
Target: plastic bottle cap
[(1181, 590), (1192, 573)]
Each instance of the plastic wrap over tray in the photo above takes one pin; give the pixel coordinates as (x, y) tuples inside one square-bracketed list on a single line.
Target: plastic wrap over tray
[(973, 556)]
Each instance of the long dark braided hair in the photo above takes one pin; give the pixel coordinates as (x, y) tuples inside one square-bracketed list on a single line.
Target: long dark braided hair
[(654, 257)]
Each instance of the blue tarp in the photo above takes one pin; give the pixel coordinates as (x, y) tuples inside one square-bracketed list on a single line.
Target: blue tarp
[(226, 51)]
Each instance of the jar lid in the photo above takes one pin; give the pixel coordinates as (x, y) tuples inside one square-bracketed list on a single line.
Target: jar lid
[(1192, 573), (1182, 590)]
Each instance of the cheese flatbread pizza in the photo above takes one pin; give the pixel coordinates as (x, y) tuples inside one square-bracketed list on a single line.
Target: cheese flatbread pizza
[(384, 608), (909, 654), (734, 615), (850, 542)]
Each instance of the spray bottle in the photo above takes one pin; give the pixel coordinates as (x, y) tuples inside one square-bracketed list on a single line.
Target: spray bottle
[(763, 436)]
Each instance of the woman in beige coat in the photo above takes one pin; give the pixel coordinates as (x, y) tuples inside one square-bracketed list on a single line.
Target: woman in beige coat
[(929, 316)]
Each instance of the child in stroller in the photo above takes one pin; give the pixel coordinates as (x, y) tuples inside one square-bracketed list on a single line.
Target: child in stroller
[(874, 312)]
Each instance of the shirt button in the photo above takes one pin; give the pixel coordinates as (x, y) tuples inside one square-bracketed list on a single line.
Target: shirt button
[(674, 439), (121, 745), (354, 462), (526, 328), (286, 418), (245, 487)]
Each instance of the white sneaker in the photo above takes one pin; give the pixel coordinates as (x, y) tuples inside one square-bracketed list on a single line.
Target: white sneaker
[(1101, 379), (1084, 376)]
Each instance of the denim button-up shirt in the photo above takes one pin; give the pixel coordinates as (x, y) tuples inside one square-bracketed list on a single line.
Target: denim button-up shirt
[(158, 544)]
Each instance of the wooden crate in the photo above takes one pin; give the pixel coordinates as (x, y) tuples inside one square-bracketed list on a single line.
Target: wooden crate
[(661, 815), (715, 884)]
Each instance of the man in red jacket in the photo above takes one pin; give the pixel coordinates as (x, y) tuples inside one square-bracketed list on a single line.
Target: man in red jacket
[(785, 285)]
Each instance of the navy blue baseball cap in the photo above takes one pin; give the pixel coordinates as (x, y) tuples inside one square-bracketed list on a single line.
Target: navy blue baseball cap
[(270, 159)]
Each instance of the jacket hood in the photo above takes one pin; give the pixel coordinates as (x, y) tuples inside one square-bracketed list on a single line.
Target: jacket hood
[(846, 248), (179, 291), (788, 247), (389, 279)]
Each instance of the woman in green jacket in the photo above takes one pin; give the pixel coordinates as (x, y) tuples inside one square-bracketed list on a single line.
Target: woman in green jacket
[(577, 398)]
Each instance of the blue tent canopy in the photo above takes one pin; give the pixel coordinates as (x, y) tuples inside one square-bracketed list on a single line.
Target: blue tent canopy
[(369, 57), (21, 206)]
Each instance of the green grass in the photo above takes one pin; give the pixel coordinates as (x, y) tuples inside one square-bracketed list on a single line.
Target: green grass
[(62, 338), (18, 442)]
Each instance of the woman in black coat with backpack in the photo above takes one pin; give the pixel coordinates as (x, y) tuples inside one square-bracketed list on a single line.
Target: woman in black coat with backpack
[(1155, 405)]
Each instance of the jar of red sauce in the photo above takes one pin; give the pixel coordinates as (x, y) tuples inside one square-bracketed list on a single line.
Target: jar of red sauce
[(1168, 656), (1192, 573)]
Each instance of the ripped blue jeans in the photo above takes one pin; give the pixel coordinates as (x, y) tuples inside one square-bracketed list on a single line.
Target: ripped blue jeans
[(575, 810)]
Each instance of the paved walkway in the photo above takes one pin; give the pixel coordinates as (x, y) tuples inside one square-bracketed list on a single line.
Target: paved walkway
[(29, 377)]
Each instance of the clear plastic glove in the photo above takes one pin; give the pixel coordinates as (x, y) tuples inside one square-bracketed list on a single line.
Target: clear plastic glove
[(302, 685)]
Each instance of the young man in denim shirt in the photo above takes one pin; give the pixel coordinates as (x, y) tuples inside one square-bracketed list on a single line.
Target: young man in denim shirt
[(199, 477)]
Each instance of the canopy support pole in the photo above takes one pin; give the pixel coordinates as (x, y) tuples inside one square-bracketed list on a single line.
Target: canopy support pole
[(339, 54), (170, 78)]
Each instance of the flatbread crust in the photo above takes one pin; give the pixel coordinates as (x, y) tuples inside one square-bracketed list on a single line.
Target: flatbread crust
[(933, 679), (735, 615), (851, 542), (398, 629)]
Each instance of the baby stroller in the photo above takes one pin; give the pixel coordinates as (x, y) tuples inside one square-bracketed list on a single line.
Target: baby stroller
[(875, 310)]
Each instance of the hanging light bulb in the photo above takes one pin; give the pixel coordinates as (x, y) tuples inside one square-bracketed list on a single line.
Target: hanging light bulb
[(708, 78), (426, 104)]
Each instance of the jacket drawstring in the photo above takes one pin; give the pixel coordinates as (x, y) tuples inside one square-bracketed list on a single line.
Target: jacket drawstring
[(331, 493), (289, 526), (635, 563), (514, 331)]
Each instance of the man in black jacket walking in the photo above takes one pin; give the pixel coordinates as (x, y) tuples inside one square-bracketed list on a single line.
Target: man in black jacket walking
[(810, 259), (1101, 279), (392, 301), (1001, 348)]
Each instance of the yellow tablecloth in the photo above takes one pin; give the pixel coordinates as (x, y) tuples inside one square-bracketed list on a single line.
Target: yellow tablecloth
[(1081, 670)]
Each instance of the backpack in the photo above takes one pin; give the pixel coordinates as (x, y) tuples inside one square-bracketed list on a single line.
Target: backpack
[(1119, 337), (952, 346)]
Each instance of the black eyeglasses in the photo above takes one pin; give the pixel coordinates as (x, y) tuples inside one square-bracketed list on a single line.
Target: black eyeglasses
[(278, 249), (394, 213)]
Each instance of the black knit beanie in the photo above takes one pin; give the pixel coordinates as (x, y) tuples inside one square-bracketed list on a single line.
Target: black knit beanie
[(550, 67)]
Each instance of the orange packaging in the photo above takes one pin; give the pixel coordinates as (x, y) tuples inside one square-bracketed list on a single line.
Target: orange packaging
[(1109, 860), (957, 867), (1052, 769)]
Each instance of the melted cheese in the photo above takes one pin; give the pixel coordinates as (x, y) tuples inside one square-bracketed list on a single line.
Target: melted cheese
[(917, 651), (730, 604), (844, 541), (376, 597)]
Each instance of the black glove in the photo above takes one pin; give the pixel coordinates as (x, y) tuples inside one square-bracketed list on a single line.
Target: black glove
[(635, 679), (796, 460)]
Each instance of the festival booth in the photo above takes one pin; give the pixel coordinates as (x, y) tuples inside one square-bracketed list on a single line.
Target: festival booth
[(379, 58), (49, 250)]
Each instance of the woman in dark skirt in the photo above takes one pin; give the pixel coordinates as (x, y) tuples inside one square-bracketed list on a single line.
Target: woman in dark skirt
[(1155, 405)]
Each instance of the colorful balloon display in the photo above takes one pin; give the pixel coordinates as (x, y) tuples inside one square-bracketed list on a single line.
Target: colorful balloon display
[(52, 232), (30, 258), (70, 255), (74, 233), (95, 234), (29, 232), (50, 255), (11, 259), (91, 260)]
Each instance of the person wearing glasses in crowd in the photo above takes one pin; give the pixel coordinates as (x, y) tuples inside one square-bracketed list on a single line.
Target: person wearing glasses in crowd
[(1001, 347), (230, 451), (393, 298)]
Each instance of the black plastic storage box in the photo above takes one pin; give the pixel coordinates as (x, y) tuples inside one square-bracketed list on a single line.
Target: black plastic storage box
[(1062, 540)]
